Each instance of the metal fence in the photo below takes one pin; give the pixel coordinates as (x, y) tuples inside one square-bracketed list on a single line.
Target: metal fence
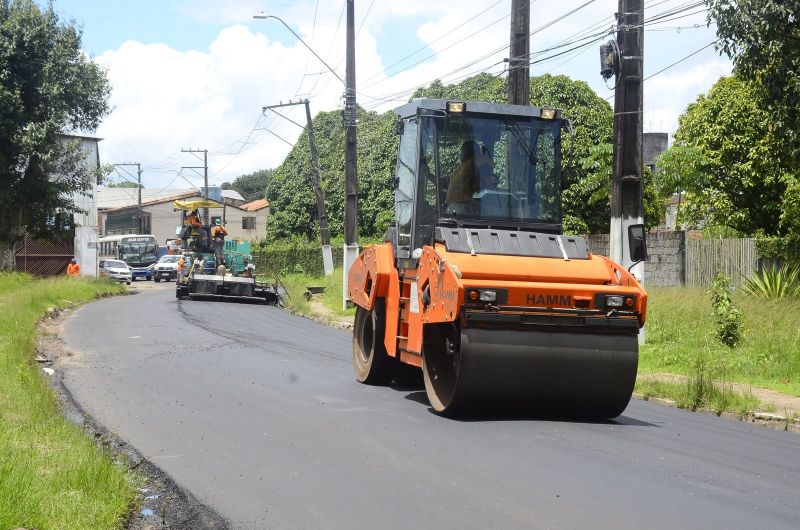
[(45, 257), (737, 258)]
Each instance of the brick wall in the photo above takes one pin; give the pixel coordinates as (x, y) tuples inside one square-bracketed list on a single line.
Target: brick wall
[(665, 256)]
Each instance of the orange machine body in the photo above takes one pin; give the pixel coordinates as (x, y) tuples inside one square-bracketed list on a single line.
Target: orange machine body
[(447, 286)]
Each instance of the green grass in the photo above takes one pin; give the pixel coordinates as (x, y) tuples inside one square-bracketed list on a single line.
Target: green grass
[(297, 283), (699, 393), (680, 336), (51, 474)]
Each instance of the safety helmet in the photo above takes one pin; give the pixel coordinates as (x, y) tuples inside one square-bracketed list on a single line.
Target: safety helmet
[(73, 260), (218, 222)]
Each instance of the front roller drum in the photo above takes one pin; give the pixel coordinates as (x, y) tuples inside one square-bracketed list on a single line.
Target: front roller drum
[(548, 373)]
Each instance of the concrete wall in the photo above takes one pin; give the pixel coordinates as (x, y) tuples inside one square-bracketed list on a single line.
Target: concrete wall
[(86, 223), (666, 250)]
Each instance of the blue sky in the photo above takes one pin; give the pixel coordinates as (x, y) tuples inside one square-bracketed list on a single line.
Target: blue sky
[(195, 73)]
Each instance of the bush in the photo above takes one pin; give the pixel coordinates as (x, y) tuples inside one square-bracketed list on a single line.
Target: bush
[(726, 314)]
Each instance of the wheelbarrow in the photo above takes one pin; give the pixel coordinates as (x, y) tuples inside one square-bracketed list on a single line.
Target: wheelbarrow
[(312, 291)]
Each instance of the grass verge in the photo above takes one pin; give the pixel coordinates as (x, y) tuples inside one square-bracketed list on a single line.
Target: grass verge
[(680, 338), (331, 299), (51, 474), (700, 393)]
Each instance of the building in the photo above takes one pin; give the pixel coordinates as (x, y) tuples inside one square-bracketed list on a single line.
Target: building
[(50, 256), (118, 212)]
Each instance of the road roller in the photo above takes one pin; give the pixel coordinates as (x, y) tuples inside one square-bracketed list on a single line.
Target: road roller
[(476, 285)]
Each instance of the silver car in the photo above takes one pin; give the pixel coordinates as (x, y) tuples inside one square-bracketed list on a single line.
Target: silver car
[(116, 270), (166, 268)]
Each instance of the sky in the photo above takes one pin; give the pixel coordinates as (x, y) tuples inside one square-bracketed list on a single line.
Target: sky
[(195, 74)]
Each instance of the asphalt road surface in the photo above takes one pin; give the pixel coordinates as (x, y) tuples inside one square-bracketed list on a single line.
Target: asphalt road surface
[(258, 414)]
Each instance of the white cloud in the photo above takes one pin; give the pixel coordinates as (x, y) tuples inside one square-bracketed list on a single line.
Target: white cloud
[(165, 99)]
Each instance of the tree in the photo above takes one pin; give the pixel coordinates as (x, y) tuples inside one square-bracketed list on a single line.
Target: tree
[(252, 186), (727, 160), (761, 37), (123, 184), (47, 87)]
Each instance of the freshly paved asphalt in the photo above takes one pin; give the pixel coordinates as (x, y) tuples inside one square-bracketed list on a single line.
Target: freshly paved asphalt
[(258, 414)]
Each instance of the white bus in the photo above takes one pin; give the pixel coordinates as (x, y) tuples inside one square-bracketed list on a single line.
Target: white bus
[(140, 252)]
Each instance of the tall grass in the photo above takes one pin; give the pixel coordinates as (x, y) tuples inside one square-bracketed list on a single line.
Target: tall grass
[(51, 474), (680, 333)]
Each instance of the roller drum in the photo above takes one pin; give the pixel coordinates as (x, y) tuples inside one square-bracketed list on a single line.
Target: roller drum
[(534, 372)]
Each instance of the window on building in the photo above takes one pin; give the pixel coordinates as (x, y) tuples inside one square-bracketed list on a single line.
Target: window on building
[(248, 223)]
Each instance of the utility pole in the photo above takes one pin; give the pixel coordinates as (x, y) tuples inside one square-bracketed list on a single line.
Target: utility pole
[(350, 251), (519, 91), (139, 227), (204, 167), (623, 58), (626, 182), (327, 256)]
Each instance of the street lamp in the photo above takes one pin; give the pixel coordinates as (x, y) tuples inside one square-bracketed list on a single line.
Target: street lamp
[(263, 16)]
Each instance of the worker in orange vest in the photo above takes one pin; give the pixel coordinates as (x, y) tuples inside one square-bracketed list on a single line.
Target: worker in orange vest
[(73, 269)]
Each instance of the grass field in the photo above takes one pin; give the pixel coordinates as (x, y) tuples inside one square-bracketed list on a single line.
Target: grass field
[(51, 474), (680, 339)]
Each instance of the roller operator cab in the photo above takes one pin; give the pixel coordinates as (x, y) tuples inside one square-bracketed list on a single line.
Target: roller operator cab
[(476, 285)]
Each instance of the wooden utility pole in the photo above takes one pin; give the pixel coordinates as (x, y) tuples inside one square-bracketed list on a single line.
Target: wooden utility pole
[(519, 92), (319, 194), (626, 183), (350, 251)]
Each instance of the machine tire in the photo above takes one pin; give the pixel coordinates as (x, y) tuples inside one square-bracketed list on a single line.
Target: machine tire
[(371, 363), (128, 283), (156, 279)]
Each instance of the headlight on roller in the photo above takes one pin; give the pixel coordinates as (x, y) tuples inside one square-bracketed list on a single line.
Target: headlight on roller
[(488, 296), (614, 301)]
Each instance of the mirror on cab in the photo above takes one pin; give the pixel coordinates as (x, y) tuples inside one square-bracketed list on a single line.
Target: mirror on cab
[(637, 243)]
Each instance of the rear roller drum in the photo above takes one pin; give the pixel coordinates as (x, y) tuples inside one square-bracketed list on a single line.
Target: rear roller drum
[(371, 363)]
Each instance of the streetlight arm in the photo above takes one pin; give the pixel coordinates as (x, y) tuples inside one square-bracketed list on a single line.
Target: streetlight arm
[(262, 16)]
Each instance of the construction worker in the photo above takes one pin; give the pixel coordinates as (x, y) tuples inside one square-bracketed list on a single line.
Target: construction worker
[(73, 269), (193, 222), (464, 180), (249, 269), (181, 270), (218, 234)]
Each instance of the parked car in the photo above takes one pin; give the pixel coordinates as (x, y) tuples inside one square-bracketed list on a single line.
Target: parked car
[(166, 268), (116, 270)]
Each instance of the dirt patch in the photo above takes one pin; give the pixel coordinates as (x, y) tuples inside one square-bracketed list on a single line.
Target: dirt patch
[(321, 310), (162, 504)]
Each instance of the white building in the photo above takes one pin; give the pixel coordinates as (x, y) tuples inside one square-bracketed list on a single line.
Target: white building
[(86, 223)]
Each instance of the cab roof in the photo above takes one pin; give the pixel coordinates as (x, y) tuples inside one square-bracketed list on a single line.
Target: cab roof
[(470, 107)]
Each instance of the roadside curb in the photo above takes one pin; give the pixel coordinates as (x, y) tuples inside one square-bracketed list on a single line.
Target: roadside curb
[(767, 419), (162, 503)]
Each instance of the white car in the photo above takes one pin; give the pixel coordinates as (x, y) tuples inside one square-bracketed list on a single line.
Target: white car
[(116, 270), (166, 268)]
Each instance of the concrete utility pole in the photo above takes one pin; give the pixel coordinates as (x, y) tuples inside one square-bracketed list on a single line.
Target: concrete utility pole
[(322, 213), (139, 227), (350, 250), (519, 83), (204, 167), (626, 183)]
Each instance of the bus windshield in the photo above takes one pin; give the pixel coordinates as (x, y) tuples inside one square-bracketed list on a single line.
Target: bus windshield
[(493, 168), (138, 251)]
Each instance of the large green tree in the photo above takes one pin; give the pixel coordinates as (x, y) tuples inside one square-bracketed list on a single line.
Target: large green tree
[(762, 37), (252, 186), (47, 87), (726, 158)]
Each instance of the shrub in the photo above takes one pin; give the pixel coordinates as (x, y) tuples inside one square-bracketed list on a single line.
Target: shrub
[(726, 314)]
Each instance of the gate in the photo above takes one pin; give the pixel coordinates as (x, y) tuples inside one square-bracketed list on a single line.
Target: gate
[(737, 258), (42, 257)]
